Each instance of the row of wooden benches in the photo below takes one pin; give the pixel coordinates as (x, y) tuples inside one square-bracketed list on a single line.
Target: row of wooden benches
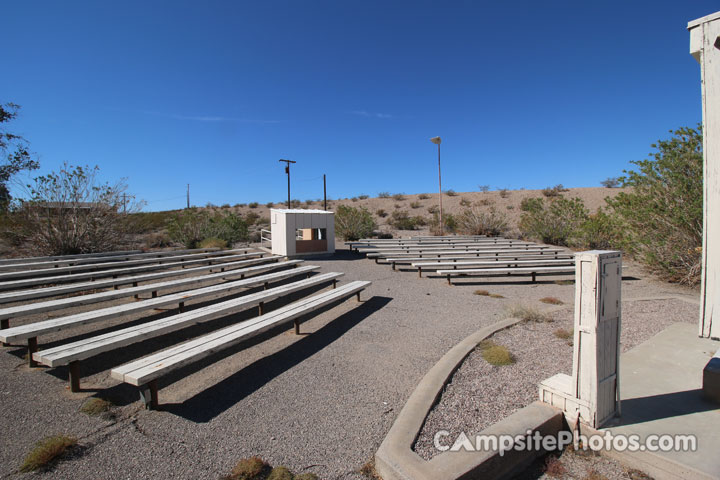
[(144, 372)]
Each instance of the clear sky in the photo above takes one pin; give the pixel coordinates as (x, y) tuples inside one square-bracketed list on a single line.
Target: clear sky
[(212, 93)]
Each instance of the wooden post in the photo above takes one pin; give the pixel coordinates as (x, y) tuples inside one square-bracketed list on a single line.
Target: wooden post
[(592, 393), (297, 326), (32, 348), (705, 47), (74, 376), (149, 395)]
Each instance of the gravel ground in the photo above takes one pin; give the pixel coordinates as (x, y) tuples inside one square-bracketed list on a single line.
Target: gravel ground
[(320, 402), (481, 394)]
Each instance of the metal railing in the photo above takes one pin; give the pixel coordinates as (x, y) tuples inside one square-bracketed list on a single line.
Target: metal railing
[(265, 236)]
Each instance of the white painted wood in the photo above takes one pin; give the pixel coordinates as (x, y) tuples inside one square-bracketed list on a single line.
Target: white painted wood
[(705, 47), (116, 258), (465, 264), (285, 223), (500, 250), (37, 329), (154, 366), (492, 271), (45, 292), (7, 261), (447, 246), (86, 348), (4, 276), (52, 305), (29, 282), (451, 259)]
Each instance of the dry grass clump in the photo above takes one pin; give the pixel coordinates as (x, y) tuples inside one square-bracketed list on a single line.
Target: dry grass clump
[(528, 314), (484, 293), (552, 301), (399, 197), (496, 295), (495, 354), (565, 282), (249, 469), (415, 204), (635, 474), (368, 470), (213, 243), (95, 406), (306, 476), (594, 475), (423, 196), (564, 333), (280, 473), (47, 451)]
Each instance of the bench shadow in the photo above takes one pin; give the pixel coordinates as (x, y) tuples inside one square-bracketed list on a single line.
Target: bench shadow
[(666, 405), (480, 283), (214, 400)]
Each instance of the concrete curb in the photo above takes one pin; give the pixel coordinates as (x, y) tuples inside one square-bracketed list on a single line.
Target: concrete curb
[(395, 459)]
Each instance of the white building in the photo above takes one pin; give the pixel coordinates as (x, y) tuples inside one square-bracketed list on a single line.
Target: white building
[(301, 232)]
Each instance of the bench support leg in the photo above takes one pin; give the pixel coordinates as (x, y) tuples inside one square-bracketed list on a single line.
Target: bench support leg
[(149, 395), (334, 283), (448, 279), (533, 277), (181, 307), (357, 295), (261, 308), (297, 326), (4, 323), (419, 272), (32, 348), (154, 294), (74, 376), (265, 285), (393, 265)]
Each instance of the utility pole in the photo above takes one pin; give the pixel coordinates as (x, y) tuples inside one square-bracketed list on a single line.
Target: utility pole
[(124, 203), (188, 195), (324, 193), (287, 170), (436, 141)]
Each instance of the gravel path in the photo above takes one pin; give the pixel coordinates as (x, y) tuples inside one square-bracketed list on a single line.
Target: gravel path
[(481, 394), (321, 402)]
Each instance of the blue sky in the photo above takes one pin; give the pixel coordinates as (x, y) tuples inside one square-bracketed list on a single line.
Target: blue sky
[(213, 93)]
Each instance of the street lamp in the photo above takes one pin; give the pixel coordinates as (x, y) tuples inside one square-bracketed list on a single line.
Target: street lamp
[(436, 141), (287, 170)]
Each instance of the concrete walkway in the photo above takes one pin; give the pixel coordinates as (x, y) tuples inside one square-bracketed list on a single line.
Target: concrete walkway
[(660, 387)]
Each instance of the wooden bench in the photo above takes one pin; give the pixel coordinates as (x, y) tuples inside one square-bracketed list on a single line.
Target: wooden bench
[(144, 372), (33, 308), (472, 256), (13, 275), (45, 292), (72, 354), (500, 251), (458, 246), (120, 257), (32, 331), (116, 272), (532, 271), (9, 261), (461, 266)]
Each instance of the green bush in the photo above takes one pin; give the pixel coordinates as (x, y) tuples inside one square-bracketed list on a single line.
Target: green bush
[(423, 196), (398, 197), (380, 212), (599, 231), (555, 220), (353, 223), (384, 195), (450, 223), (213, 242), (363, 197), (450, 193), (192, 226), (662, 216), (402, 221)]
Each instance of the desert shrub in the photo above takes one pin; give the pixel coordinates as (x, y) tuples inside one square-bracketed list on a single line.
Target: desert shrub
[(295, 203), (528, 314), (253, 204), (477, 222), (71, 212), (554, 221), (464, 202), (484, 188), (251, 217), (599, 231), (354, 199), (353, 223), (415, 204), (384, 235), (529, 204), (555, 191), (433, 209), (213, 242), (193, 226), (504, 193), (451, 193), (563, 333), (552, 300), (157, 240), (225, 206), (611, 182), (263, 221), (423, 196), (145, 222), (662, 216), (47, 451), (210, 205), (241, 205), (249, 469), (398, 197), (485, 202), (384, 195), (380, 212), (510, 207), (309, 201), (269, 204), (94, 406), (450, 223), (401, 220), (280, 473), (363, 197)]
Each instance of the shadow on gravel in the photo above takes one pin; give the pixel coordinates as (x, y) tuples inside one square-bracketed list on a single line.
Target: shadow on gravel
[(213, 401)]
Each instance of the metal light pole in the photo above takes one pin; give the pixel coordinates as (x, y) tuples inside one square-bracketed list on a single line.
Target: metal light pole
[(287, 170), (436, 141)]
